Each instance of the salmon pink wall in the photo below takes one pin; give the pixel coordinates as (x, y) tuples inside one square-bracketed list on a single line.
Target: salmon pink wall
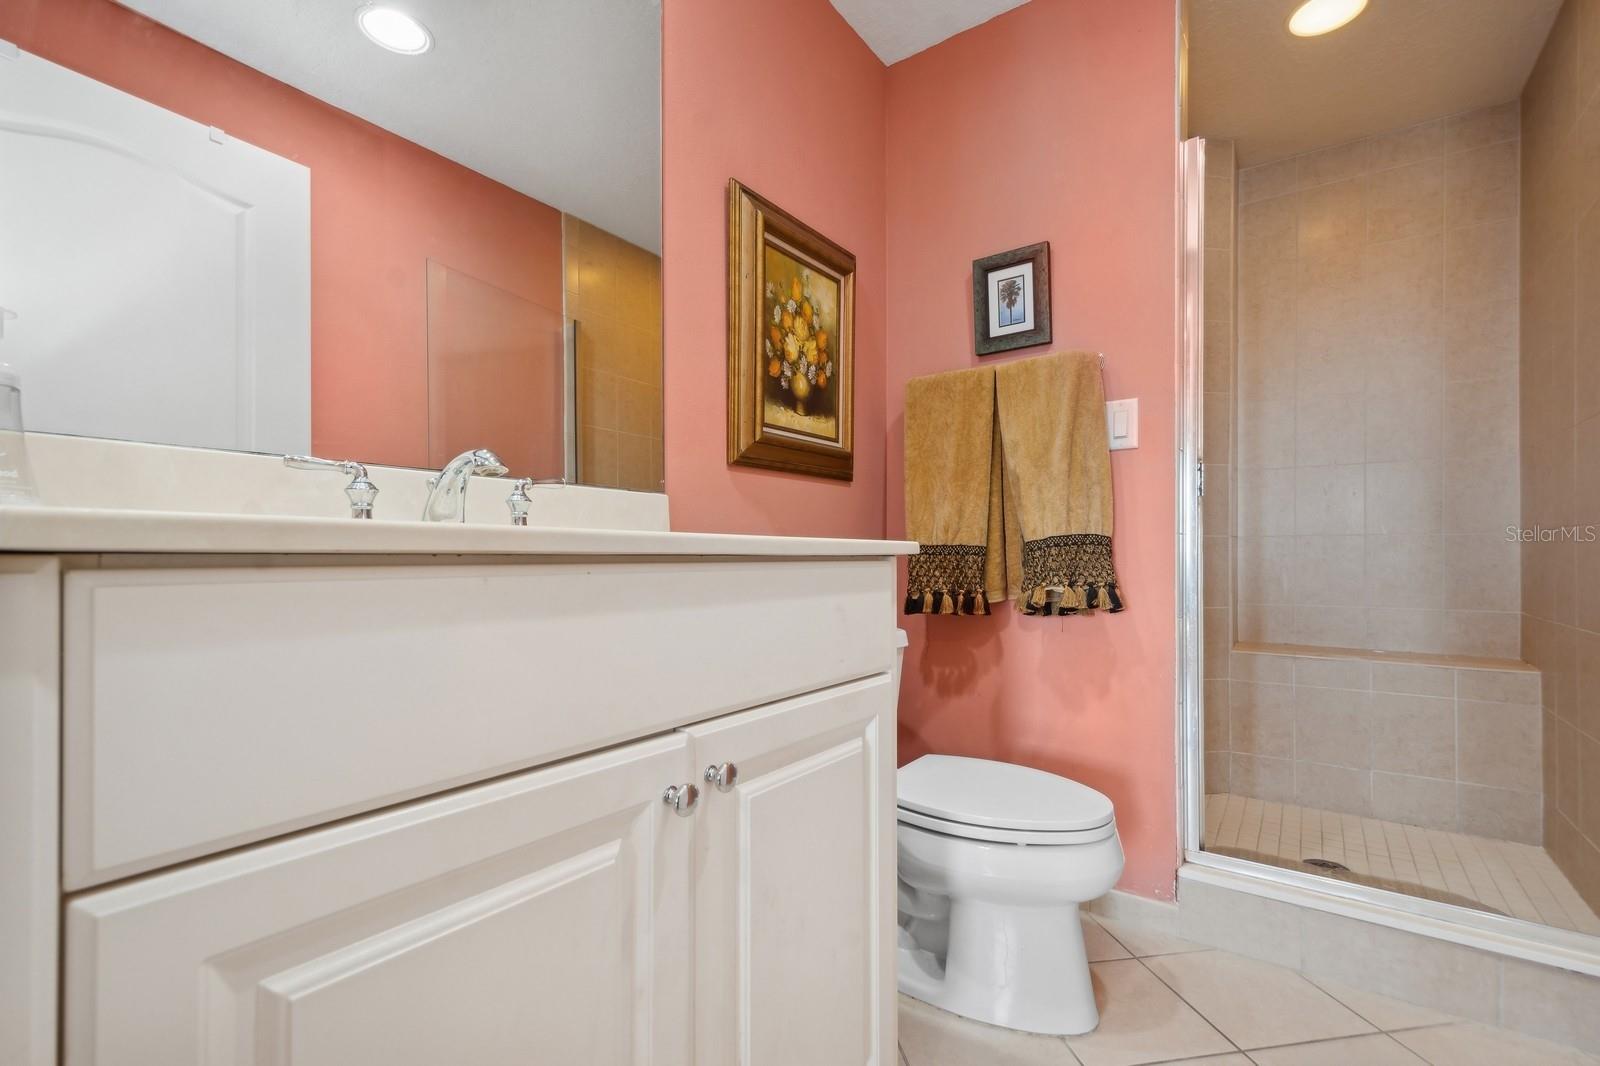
[(381, 206), (1052, 122), (784, 96)]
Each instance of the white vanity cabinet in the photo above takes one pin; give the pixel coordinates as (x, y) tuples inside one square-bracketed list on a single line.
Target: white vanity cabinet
[(320, 811)]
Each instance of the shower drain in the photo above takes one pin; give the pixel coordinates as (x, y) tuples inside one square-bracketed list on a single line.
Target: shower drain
[(1326, 864)]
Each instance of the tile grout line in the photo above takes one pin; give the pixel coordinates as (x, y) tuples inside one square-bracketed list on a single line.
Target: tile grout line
[(1376, 1030), (1385, 1033), (1198, 1013), (1114, 939), (1443, 153), (1342, 1003)]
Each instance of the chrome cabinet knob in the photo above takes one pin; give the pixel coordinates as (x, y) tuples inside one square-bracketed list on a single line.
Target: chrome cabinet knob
[(724, 777), (681, 798)]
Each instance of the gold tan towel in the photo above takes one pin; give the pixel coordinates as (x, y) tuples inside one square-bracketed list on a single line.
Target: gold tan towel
[(1057, 484), (1008, 489), (950, 433)]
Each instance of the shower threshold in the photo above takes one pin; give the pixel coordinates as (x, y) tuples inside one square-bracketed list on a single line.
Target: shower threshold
[(1496, 876)]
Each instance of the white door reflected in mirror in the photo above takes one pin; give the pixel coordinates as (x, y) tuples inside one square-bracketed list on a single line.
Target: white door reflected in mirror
[(161, 277)]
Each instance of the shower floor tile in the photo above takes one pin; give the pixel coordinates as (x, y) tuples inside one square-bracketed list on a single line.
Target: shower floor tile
[(1471, 871)]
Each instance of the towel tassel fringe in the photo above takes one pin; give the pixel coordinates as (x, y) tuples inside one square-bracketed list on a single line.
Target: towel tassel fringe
[(942, 601), (1070, 599)]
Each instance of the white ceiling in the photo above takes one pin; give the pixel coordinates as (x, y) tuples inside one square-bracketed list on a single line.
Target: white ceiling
[(1401, 62), (559, 99), (895, 29)]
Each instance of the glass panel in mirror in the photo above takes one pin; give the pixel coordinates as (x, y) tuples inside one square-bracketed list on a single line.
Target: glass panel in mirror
[(250, 226)]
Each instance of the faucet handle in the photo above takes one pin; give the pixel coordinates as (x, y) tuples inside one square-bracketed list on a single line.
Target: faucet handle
[(519, 502), (361, 491)]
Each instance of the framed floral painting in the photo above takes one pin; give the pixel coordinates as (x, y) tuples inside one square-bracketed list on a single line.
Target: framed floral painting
[(791, 342)]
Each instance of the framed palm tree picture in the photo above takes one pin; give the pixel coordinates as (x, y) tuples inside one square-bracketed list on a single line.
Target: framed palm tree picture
[(1011, 299)]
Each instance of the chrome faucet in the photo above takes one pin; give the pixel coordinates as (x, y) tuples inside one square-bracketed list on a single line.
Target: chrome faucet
[(447, 490)]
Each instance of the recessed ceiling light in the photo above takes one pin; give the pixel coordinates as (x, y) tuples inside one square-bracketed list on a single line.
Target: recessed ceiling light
[(1316, 17), (393, 29)]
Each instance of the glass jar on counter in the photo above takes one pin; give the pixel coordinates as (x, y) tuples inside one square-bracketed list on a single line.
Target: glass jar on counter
[(16, 474)]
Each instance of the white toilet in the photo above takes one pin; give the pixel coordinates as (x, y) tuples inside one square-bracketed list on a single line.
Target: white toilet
[(994, 861)]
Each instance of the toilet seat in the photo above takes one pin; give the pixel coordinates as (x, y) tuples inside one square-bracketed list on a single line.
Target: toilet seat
[(1000, 835), (1002, 803)]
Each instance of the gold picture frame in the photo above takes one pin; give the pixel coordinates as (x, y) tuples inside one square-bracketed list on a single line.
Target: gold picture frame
[(791, 342)]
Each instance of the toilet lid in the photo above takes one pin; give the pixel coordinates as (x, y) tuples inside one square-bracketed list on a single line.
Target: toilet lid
[(1002, 795)]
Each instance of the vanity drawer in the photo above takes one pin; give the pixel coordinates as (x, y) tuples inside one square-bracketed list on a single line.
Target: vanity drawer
[(207, 708)]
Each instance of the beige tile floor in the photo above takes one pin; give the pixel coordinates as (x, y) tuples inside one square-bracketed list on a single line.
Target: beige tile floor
[(1515, 879), (1164, 1000)]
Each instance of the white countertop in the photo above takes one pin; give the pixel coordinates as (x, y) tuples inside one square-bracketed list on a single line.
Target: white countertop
[(88, 529)]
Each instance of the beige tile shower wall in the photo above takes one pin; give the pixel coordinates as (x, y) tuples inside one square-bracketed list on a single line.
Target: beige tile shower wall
[(1438, 746), (1560, 427), (614, 294), (1217, 415), (1376, 425)]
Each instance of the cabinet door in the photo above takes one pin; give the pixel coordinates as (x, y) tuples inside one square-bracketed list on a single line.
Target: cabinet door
[(794, 883), (539, 918)]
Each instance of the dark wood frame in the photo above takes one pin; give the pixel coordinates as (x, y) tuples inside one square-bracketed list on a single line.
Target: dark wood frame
[(984, 344), (750, 441)]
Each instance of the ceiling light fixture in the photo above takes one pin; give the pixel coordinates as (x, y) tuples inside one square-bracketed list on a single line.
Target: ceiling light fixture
[(393, 29), (1316, 17)]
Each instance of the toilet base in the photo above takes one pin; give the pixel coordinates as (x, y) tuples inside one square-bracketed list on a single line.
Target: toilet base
[(1016, 967)]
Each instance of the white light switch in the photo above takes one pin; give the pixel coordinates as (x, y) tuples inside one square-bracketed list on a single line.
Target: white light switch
[(1122, 423)]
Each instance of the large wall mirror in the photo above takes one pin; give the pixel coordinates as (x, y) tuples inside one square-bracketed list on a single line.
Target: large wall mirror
[(382, 232)]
